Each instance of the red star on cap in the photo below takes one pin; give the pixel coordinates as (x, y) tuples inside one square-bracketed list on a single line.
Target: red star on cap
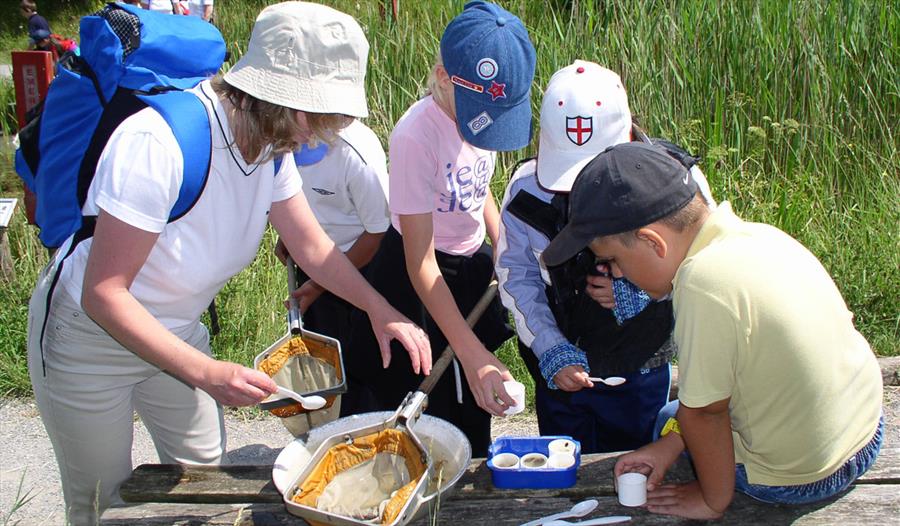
[(497, 91)]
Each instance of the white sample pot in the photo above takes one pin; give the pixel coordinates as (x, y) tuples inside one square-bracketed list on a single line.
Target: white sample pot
[(632, 489), (505, 461), (533, 461)]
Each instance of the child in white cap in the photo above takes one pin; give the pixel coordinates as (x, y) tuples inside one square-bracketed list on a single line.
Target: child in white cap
[(569, 325), (434, 263), (121, 330)]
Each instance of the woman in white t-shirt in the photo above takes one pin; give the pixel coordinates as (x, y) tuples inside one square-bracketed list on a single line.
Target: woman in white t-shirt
[(120, 332), (434, 264)]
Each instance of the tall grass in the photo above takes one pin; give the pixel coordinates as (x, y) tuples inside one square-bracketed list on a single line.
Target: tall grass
[(792, 105)]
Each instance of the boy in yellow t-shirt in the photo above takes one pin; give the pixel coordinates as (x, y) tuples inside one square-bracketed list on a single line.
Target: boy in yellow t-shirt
[(779, 395)]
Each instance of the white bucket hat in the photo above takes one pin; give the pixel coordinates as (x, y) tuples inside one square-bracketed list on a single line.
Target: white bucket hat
[(584, 111), (305, 56)]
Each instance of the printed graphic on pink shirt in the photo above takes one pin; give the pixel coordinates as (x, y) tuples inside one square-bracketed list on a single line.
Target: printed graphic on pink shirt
[(466, 186)]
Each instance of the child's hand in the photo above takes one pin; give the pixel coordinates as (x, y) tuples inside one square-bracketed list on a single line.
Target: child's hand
[(308, 293), (652, 460), (485, 374), (572, 378), (683, 500), (281, 251), (599, 287)]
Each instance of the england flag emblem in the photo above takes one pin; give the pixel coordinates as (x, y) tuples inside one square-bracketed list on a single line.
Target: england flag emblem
[(579, 129)]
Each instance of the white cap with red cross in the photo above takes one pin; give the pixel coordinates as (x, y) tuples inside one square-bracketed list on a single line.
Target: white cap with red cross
[(584, 111)]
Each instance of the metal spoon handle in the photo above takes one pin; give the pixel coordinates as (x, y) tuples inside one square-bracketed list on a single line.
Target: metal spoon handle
[(295, 322)]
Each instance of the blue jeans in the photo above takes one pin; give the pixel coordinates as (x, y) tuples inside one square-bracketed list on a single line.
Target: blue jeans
[(803, 493), (821, 489)]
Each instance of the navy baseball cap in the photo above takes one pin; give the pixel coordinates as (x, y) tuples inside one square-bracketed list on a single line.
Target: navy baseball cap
[(490, 60), (628, 186)]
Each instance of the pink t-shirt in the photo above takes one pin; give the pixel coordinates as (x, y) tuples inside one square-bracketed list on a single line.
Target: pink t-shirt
[(432, 170)]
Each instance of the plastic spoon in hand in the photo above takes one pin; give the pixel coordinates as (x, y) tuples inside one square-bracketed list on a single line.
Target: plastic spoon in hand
[(613, 519), (612, 381), (308, 402), (579, 510)]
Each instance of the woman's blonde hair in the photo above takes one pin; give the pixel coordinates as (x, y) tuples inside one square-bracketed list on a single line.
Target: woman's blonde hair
[(260, 124)]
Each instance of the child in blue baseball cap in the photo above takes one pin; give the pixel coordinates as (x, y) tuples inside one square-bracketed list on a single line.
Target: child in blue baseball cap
[(433, 264)]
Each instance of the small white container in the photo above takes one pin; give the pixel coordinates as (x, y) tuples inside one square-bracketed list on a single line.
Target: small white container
[(533, 461), (517, 391), (561, 460), (632, 489), (561, 445), (505, 461)]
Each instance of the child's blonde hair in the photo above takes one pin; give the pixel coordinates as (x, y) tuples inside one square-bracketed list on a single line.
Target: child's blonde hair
[(441, 97)]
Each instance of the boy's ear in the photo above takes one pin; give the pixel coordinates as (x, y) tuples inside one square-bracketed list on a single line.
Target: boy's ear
[(653, 238)]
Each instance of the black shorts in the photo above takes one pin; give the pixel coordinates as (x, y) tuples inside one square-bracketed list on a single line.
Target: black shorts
[(373, 388)]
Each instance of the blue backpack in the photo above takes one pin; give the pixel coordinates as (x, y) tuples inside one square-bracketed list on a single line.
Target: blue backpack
[(130, 59)]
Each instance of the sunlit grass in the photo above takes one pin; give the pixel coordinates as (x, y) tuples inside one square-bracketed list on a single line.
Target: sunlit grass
[(793, 107)]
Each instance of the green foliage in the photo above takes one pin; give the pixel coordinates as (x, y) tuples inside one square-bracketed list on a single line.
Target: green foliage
[(791, 105), (63, 16)]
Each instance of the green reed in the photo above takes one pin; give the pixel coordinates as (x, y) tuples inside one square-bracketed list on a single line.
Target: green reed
[(791, 105)]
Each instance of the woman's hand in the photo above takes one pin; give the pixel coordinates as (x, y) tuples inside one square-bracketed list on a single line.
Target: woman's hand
[(485, 375), (235, 385), (388, 324)]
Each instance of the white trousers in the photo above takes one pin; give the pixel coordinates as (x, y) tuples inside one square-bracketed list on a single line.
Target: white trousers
[(87, 388)]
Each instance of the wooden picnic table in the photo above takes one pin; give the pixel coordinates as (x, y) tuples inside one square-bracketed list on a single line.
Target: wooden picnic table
[(246, 496), (166, 494)]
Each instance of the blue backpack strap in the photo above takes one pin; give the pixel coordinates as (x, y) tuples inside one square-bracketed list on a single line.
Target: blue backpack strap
[(187, 116)]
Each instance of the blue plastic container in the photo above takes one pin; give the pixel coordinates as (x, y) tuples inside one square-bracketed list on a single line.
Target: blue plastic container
[(535, 478)]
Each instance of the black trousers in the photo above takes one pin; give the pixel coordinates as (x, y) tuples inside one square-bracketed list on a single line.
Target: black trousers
[(328, 315), (373, 388)]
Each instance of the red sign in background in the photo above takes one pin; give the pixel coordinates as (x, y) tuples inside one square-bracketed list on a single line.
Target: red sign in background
[(32, 73)]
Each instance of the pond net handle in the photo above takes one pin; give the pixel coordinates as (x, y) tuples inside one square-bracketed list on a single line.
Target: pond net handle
[(295, 322), (437, 370)]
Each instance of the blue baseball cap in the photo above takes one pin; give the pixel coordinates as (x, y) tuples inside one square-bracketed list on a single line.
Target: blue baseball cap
[(490, 60)]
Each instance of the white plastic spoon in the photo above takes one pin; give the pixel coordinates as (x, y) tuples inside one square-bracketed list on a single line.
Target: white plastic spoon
[(579, 510), (612, 381), (308, 402), (612, 519)]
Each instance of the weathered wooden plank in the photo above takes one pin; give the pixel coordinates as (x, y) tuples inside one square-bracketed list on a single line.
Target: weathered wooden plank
[(253, 484), (866, 504), (174, 514), (200, 484)]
